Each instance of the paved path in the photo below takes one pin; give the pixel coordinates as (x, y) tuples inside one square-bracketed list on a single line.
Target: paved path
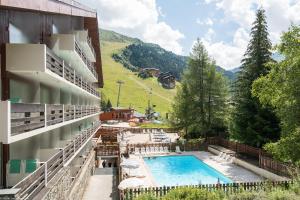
[(101, 187)]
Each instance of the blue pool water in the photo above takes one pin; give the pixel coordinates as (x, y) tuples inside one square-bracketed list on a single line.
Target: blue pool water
[(183, 170)]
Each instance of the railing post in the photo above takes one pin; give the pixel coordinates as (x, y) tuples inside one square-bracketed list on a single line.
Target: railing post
[(63, 107), (45, 114), (63, 71), (74, 144), (63, 155), (74, 108), (74, 81), (46, 174)]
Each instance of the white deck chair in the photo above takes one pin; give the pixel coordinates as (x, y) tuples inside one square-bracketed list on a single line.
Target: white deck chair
[(166, 149), (156, 149), (178, 149), (143, 150), (148, 150), (161, 149), (136, 150), (152, 150)]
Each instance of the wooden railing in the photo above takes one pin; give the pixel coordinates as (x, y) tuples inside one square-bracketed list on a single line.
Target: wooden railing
[(62, 69), (28, 117), (107, 150), (276, 167), (69, 112), (235, 146), (229, 188), (265, 160), (54, 114), (31, 185)]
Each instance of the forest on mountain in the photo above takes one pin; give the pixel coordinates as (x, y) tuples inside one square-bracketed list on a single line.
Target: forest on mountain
[(138, 54), (147, 55)]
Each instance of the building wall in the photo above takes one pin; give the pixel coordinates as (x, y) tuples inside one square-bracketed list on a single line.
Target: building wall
[(36, 27)]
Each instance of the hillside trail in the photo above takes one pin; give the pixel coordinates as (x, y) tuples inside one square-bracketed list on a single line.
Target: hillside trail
[(149, 89)]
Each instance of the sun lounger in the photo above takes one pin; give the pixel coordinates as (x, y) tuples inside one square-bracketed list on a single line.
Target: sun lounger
[(152, 150), (136, 151), (166, 150), (178, 149), (156, 149), (161, 149), (143, 151), (148, 150)]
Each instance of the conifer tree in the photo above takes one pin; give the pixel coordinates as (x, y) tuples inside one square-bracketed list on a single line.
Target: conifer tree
[(200, 103), (252, 123)]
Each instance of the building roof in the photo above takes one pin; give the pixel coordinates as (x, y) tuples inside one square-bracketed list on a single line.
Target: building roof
[(66, 7), (121, 109)]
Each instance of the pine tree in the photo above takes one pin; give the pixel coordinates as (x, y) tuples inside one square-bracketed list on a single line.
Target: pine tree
[(108, 105), (181, 118), (252, 123), (200, 102), (280, 89)]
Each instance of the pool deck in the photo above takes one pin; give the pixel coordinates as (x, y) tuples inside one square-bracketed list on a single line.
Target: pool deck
[(100, 187), (232, 171)]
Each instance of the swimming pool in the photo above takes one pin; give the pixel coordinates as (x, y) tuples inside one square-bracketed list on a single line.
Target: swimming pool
[(183, 170)]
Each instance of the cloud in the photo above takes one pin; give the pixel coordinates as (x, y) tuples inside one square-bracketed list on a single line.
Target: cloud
[(207, 21), (227, 55), (164, 35), (209, 34), (137, 18), (280, 14)]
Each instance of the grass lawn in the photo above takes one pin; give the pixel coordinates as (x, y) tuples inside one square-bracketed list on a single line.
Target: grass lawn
[(134, 91)]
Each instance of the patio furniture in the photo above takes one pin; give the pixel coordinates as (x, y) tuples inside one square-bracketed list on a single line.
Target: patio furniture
[(136, 151), (143, 150), (178, 149), (166, 149)]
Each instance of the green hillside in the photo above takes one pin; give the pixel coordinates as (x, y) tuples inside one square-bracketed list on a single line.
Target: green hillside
[(147, 55), (135, 91)]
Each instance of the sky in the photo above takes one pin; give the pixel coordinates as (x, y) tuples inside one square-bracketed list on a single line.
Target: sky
[(223, 26)]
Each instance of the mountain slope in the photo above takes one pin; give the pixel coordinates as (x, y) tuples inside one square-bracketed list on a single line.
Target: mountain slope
[(229, 74), (147, 55), (134, 91), (111, 36)]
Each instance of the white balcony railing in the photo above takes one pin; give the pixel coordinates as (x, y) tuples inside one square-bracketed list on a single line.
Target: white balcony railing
[(85, 43), (68, 47), (31, 185), (37, 62), (25, 120)]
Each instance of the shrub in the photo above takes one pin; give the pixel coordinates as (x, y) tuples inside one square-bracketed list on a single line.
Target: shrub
[(192, 194), (279, 194), (146, 197), (247, 195)]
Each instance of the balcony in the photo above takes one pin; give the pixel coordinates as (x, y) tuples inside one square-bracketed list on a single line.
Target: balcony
[(86, 44), (37, 62), (20, 121), (35, 182), (67, 47)]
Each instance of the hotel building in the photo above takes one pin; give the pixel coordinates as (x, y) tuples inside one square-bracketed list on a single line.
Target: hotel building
[(49, 111)]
